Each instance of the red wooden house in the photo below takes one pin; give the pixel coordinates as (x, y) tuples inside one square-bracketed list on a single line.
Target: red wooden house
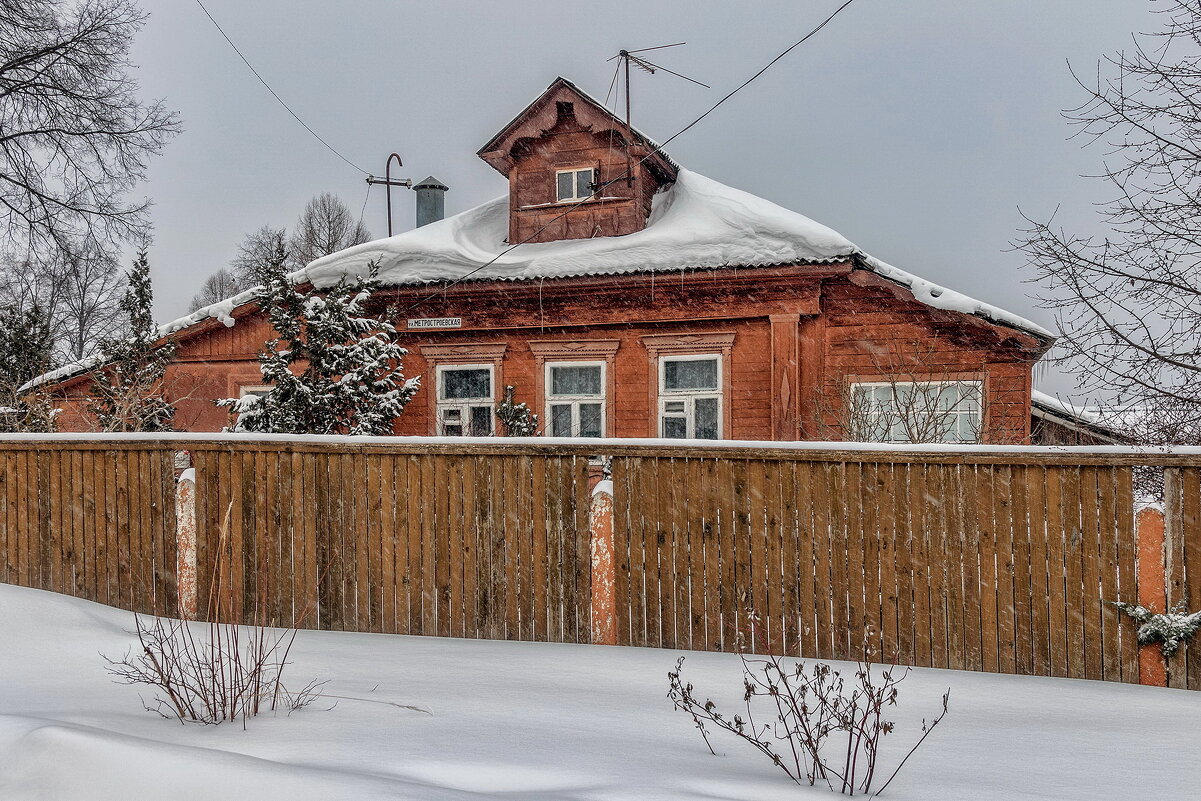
[(642, 299)]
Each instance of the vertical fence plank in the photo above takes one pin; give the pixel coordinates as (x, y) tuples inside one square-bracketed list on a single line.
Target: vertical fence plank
[(1090, 574), (1006, 533), (870, 526), (894, 578), (1073, 578), (1191, 489), (1022, 578), (1111, 654), (973, 548), (1127, 587), (919, 559), (1039, 592)]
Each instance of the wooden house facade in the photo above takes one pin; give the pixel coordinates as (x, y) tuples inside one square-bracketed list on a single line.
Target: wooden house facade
[(622, 295)]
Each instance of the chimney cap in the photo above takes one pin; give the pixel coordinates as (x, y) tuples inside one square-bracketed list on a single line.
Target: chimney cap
[(430, 182)]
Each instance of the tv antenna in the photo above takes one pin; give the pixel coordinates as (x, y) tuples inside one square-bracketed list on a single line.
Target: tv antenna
[(627, 58)]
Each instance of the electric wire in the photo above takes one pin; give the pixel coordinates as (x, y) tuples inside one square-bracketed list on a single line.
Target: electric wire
[(287, 108), (656, 149), (363, 210)]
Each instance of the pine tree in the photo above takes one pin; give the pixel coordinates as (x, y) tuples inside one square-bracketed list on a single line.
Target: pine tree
[(26, 345), (519, 421), (127, 392), (333, 368), (26, 350)]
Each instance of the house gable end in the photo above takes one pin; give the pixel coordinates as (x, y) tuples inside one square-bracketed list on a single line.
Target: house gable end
[(562, 133)]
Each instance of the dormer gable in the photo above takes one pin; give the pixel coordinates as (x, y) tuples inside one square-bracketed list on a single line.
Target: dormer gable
[(575, 170)]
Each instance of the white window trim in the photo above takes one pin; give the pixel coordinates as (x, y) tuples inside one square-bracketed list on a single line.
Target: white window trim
[(690, 396), (464, 404), (574, 184), (575, 400), (254, 389), (979, 410)]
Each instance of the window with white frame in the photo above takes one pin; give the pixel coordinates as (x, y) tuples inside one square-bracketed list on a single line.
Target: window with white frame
[(916, 411), (465, 400), (690, 397), (575, 399), (575, 184)]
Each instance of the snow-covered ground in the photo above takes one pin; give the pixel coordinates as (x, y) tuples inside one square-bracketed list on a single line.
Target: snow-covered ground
[(535, 721)]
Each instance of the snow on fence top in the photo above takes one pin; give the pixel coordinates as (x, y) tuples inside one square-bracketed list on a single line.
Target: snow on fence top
[(616, 445), (696, 223)]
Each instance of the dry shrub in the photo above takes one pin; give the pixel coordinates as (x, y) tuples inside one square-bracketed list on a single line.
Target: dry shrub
[(217, 671), (814, 724)]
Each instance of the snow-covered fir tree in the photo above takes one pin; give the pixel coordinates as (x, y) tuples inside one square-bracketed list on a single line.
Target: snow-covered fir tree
[(333, 368), (518, 420), (127, 391), (26, 350)]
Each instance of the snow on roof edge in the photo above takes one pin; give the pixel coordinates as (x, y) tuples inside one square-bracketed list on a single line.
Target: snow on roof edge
[(1056, 405), (940, 297)]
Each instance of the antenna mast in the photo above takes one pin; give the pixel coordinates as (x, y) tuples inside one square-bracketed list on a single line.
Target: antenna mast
[(627, 57), (389, 183)]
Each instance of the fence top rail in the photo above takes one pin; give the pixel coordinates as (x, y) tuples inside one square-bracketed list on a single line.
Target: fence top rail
[(1112, 455)]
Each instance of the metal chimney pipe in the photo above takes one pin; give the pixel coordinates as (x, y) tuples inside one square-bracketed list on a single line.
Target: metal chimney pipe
[(431, 200)]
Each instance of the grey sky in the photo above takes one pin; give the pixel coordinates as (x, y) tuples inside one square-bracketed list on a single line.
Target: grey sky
[(914, 128)]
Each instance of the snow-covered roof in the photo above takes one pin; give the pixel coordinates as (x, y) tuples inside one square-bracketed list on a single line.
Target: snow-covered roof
[(695, 223), (1093, 419), (1055, 405)]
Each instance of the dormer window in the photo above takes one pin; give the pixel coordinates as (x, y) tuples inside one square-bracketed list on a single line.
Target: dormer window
[(577, 184)]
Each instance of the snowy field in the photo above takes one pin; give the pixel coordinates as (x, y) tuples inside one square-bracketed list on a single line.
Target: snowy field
[(535, 721)]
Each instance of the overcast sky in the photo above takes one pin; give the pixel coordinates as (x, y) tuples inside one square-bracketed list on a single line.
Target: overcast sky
[(916, 128)]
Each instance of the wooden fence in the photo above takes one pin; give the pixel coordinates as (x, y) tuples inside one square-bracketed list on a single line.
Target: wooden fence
[(980, 559)]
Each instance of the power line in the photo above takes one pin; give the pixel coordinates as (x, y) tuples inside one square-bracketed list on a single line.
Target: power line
[(630, 170), (316, 136)]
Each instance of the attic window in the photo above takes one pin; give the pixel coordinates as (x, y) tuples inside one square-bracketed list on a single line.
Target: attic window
[(578, 184)]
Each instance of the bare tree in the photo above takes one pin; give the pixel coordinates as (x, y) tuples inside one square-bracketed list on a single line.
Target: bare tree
[(80, 291), (74, 137), (326, 226), (217, 287), (255, 252), (1128, 302)]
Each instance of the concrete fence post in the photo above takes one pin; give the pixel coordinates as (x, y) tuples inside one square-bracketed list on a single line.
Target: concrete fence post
[(185, 541), (604, 600), (1152, 589)]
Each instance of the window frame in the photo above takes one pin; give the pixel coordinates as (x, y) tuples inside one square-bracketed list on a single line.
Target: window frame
[(977, 383), (254, 389), (464, 405), (550, 399), (690, 396), (575, 184)]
